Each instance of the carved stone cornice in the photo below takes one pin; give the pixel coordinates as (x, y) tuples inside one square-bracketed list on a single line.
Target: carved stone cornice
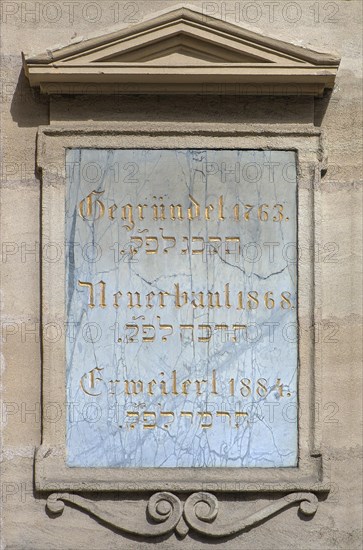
[(165, 513), (182, 52)]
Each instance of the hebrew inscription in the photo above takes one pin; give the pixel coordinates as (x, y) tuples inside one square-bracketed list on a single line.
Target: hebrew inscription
[(181, 300)]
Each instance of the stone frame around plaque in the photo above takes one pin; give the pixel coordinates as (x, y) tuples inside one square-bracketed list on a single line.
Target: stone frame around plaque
[(51, 471)]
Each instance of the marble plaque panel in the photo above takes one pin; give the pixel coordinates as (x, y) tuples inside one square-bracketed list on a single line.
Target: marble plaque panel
[(182, 308)]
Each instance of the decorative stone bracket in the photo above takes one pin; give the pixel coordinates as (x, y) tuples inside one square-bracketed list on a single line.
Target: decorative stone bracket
[(166, 513)]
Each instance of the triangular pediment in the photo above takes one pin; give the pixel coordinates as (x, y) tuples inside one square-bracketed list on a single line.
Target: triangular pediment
[(177, 52), (182, 47)]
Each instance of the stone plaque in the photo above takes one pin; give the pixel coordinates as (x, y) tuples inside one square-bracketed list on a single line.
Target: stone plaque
[(181, 308)]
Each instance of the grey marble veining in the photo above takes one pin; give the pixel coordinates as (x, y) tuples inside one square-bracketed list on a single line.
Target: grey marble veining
[(144, 389)]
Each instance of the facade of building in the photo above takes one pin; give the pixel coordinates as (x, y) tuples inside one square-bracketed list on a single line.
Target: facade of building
[(210, 78)]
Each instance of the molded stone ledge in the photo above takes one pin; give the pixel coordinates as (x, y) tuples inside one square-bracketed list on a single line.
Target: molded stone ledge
[(51, 474), (182, 52)]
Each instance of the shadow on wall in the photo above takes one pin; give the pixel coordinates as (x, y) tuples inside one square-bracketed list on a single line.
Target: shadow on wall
[(223, 108), (29, 108), (320, 107)]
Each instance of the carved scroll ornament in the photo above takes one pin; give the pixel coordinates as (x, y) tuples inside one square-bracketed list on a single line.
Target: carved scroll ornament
[(166, 513)]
